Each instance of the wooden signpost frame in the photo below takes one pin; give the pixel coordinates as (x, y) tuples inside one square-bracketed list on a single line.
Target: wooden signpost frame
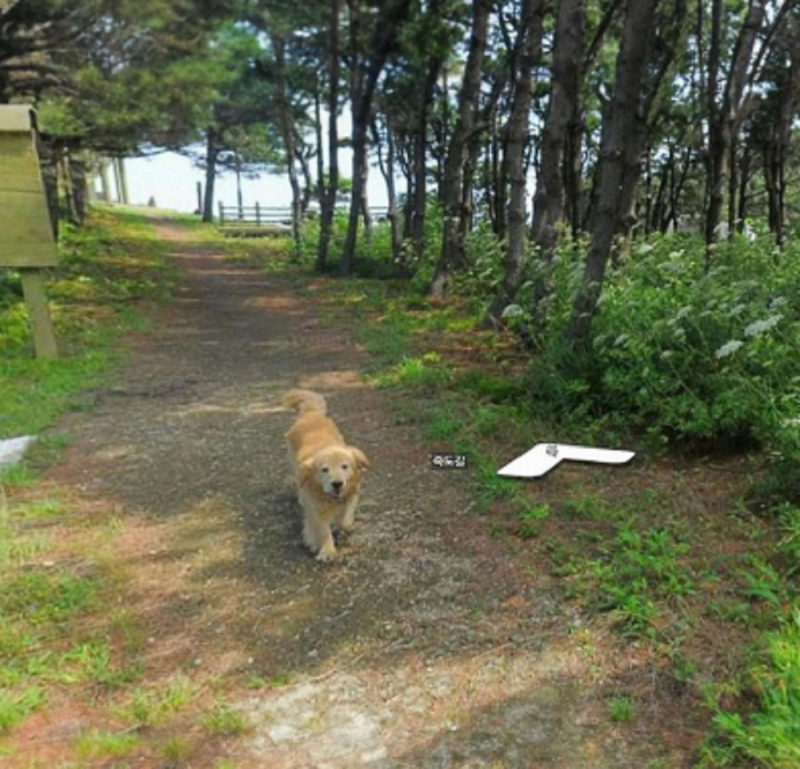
[(26, 235)]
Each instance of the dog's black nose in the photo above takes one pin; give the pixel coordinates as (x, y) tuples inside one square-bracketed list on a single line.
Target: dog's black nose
[(337, 484)]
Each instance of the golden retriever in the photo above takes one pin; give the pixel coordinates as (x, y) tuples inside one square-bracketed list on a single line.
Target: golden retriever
[(327, 472)]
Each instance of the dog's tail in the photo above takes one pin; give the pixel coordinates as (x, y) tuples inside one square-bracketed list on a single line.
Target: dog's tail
[(305, 400)]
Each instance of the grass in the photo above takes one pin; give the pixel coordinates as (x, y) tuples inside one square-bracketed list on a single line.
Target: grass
[(107, 270), (644, 560), (223, 721), (55, 588), (96, 744), (621, 709), (156, 705), (769, 734)]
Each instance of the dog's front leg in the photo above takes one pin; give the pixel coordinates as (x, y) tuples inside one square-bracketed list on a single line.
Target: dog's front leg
[(346, 520), (317, 536)]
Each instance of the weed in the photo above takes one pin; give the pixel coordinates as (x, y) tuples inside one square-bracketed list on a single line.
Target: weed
[(622, 709), (175, 749), (763, 583), (770, 735), (256, 682), (529, 519), (42, 597), (279, 680), (591, 507), (224, 721), (422, 372), (634, 574), (97, 744), (15, 707)]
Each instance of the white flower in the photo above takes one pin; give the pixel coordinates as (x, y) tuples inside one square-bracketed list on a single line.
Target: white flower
[(760, 326), (738, 310), (778, 301), (728, 348), (512, 311)]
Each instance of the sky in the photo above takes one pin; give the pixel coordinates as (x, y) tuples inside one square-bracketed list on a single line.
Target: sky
[(172, 180)]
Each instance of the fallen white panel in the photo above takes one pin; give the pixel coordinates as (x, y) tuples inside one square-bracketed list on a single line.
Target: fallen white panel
[(543, 457), (591, 454), (13, 450)]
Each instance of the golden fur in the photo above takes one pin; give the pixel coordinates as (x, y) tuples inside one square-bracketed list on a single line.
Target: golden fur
[(327, 471)]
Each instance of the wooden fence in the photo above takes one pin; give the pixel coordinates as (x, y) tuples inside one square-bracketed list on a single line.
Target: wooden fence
[(259, 215)]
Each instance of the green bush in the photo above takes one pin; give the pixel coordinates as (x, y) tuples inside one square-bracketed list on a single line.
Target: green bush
[(684, 354)]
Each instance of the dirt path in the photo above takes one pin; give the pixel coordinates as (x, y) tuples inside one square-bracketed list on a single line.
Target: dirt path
[(424, 645)]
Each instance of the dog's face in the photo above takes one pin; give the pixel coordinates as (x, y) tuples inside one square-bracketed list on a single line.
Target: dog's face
[(335, 470)]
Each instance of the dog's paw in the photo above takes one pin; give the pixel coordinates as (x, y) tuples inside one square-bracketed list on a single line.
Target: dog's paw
[(326, 556)]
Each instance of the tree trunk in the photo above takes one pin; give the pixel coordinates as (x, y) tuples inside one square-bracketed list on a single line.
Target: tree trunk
[(531, 26), (47, 155), (452, 253), (563, 110), (421, 158), (328, 204), (212, 152), (122, 181), (320, 189), (238, 172), (105, 182), (618, 130), (387, 171), (79, 187), (287, 134), (362, 93), (781, 134), (725, 115), (65, 174)]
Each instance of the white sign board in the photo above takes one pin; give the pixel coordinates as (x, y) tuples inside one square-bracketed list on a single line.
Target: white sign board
[(543, 457)]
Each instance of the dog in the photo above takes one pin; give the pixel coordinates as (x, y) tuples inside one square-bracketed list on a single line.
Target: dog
[(327, 472)]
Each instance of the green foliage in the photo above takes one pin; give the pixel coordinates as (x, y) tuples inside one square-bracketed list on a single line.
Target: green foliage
[(621, 709), (96, 744), (15, 707), (770, 733), (424, 372), (636, 574), (106, 269), (222, 720), (685, 355)]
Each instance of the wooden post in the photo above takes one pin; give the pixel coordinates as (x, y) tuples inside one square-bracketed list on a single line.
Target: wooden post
[(221, 213), (44, 339), (199, 197), (258, 214)]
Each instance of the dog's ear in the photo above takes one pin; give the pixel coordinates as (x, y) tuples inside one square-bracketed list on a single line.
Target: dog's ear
[(305, 469), (359, 457)]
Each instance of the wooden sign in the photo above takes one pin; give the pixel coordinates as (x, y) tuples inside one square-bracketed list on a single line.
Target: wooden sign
[(26, 235)]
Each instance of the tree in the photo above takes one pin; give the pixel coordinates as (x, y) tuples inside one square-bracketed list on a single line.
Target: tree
[(452, 192), (365, 71), (531, 31), (619, 128), (729, 99)]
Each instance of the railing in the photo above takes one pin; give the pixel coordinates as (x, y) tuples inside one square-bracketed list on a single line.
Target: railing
[(256, 214), (270, 215)]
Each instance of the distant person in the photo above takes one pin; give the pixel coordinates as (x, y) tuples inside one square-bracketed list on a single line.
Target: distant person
[(151, 203)]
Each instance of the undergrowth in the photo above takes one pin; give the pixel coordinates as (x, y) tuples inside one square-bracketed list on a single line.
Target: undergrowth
[(107, 269), (681, 359)]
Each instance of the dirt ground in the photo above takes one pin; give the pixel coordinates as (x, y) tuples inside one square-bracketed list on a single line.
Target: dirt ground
[(428, 643)]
